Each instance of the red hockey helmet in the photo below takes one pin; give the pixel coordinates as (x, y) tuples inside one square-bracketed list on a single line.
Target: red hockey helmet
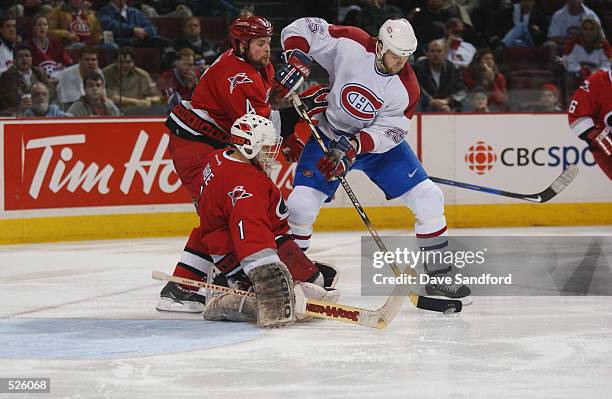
[(243, 30)]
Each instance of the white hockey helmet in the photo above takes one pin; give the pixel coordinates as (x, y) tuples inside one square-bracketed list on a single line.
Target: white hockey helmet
[(255, 137), (397, 36)]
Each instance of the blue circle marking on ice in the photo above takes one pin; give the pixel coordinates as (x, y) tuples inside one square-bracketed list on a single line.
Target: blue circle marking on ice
[(111, 339)]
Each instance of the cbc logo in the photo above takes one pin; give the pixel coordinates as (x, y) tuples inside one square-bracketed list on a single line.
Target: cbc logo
[(480, 157)]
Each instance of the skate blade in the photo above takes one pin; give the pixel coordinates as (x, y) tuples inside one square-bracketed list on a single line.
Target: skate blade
[(465, 301), (169, 305)]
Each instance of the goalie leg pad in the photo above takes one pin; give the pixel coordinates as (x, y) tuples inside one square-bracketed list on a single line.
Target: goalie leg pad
[(274, 293), (231, 307)]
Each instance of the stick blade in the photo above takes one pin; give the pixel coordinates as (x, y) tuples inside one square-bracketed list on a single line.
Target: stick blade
[(565, 179), (559, 184)]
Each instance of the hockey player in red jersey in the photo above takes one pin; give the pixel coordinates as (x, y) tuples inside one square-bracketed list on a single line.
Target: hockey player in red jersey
[(239, 82), (245, 235), (590, 117)]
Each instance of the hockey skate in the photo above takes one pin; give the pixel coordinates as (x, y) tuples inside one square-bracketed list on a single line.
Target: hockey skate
[(449, 290), (174, 298)]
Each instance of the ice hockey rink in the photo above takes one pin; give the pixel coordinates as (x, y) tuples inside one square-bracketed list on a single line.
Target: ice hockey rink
[(83, 314)]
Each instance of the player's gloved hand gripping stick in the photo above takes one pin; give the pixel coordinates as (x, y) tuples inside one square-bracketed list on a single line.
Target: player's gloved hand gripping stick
[(394, 302)]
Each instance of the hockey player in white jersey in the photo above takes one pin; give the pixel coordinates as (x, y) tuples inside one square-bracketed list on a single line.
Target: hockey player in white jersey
[(372, 99)]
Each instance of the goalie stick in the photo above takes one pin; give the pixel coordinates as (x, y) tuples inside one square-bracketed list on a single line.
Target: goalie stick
[(549, 193), (421, 302), (378, 318)]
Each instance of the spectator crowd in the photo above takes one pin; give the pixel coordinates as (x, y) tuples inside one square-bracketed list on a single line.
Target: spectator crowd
[(141, 57)]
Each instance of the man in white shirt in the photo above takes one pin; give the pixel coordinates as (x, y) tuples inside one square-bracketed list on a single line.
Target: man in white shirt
[(70, 86), (566, 22), (459, 52), (8, 38)]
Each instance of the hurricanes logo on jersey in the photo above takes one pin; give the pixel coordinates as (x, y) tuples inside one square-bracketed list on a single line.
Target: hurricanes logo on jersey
[(585, 86), (360, 102), (237, 79), (238, 193)]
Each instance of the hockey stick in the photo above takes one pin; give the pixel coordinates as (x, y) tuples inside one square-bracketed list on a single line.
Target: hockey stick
[(378, 318), (549, 193), (421, 302)]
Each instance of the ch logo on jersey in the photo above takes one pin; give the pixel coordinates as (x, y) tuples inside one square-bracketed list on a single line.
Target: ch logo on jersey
[(237, 79), (360, 102), (238, 193), (281, 209)]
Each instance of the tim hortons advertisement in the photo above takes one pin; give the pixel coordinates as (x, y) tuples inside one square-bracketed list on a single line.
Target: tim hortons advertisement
[(87, 163), (516, 152)]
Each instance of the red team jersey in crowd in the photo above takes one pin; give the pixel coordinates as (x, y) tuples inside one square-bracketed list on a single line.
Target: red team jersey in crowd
[(52, 59), (592, 104), (245, 211)]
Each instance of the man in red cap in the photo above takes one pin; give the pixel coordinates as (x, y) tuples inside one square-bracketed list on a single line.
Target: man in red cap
[(239, 82)]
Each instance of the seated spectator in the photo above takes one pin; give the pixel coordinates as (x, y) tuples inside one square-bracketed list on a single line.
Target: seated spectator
[(479, 102), (430, 22), (483, 75), (177, 84), (165, 8), (18, 79), (75, 26), (94, 102), (131, 88), (565, 23), (40, 103), (213, 8), (442, 88), (130, 27), (48, 54), (460, 52), (8, 39), (70, 86), (374, 13), (549, 99), (589, 53), (192, 38)]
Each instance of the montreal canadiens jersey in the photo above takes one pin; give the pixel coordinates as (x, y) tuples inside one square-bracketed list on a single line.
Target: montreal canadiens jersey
[(241, 210), (361, 98), (230, 88), (592, 104)]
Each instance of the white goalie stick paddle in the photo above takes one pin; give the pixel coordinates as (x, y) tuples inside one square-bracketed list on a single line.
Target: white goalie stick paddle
[(421, 302), (566, 177), (378, 318)]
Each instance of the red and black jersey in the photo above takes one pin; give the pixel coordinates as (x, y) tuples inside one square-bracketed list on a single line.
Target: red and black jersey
[(591, 105), (241, 210), (228, 89)]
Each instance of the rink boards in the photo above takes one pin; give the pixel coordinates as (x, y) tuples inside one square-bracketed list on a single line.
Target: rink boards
[(71, 179)]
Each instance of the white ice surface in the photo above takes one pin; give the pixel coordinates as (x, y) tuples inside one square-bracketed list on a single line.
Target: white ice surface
[(68, 311)]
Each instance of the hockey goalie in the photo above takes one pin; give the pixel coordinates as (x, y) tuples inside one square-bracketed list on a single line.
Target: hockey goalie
[(243, 224)]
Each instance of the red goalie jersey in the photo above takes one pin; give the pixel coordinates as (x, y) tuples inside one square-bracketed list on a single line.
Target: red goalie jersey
[(590, 117), (242, 211)]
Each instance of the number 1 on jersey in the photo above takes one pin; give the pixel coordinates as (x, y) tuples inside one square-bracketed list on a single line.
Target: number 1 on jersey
[(241, 228)]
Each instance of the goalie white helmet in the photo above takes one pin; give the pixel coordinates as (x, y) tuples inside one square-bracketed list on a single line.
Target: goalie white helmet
[(255, 137), (397, 36)]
